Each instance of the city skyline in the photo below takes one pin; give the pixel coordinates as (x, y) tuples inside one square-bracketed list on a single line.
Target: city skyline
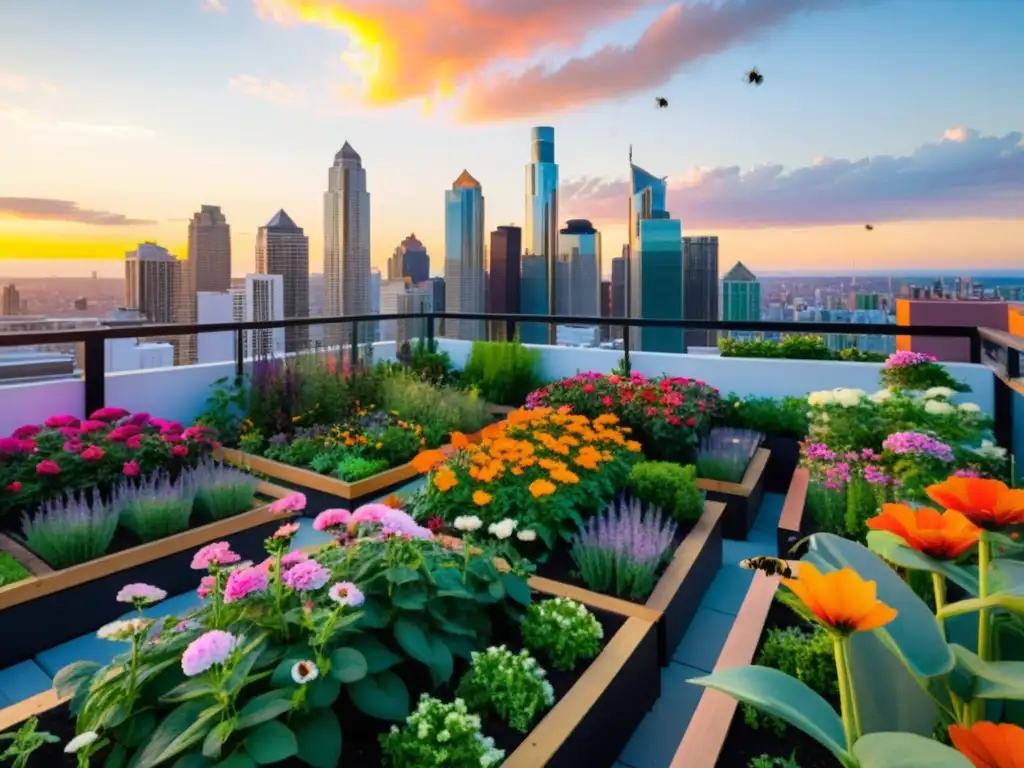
[(942, 184)]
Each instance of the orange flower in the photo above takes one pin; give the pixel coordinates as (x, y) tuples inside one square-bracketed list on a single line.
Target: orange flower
[(633, 445), (394, 501), (480, 498), (945, 536), (445, 479), (990, 745), (988, 503), (542, 488), (459, 440), (841, 600), (427, 460), (565, 476)]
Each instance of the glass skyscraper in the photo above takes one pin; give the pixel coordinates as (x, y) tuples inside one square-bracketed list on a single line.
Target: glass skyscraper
[(656, 264), (579, 248), (464, 256), (540, 235), (741, 297)]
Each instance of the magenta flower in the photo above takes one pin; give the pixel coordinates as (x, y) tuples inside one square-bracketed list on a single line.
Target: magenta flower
[(210, 648), (397, 521), (218, 553), (74, 445), (10, 445), (346, 593), (179, 450), (130, 469), (70, 431), (134, 442), (286, 531), (47, 467), (294, 502), (243, 582), (23, 432), (92, 453), (62, 420), (306, 576), (294, 558), (915, 443), (332, 520), (904, 358), (139, 419), (206, 586), (91, 425), (122, 433), (111, 413), (140, 594)]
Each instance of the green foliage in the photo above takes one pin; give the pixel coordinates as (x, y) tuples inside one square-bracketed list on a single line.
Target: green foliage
[(765, 761), (512, 685), (11, 570), (921, 377), (24, 741), (427, 362), (563, 632), (438, 410), (225, 409), (352, 469), (156, 508), (66, 532), (670, 487), (223, 501), (504, 372), (793, 347), (440, 735), (785, 417)]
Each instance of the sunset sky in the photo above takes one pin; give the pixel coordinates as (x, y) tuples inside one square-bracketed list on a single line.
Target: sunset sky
[(119, 118)]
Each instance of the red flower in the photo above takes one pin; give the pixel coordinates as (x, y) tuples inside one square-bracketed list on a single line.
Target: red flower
[(649, 395), (28, 445), (62, 420), (614, 379), (122, 433), (70, 431), (675, 421), (74, 445), (134, 442), (25, 431), (92, 453), (131, 469), (139, 419), (652, 411), (14, 487), (690, 422), (111, 413), (47, 467), (607, 401), (435, 524), (588, 388), (179, 450), (91, 425)]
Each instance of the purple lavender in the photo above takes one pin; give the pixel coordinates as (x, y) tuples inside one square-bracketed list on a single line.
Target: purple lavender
[(917, 444), (157, 507), (221, 490), (725, 453), (66, 532), (622, 550)]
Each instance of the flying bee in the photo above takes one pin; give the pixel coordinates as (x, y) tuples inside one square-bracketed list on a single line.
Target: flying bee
[(754, 77), (660, 102), (869, 227), (773, 566)]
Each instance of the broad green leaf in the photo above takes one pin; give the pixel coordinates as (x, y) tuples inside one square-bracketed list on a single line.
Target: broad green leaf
[(449, 578), (323, 692), (134, 731), (402, 574), (894, 549), (348, 665), (319, 737), (193, 688), (906, 750), (192, 761), (117, 757), (271, 743), (68, 680), (187, 724), (383, 696), (443, 666), (992, 679), (374, 614), (785, 697), (517, 588), (410, 597), (413, 640), (264, 707), (1012, 601), (378, 656), (213, 744), (497, 590), (237, 760)]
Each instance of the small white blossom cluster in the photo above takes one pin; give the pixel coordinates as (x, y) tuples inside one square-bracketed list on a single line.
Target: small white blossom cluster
[(441, 734), (500, 530), (938, 407), (122, 631), (563, 631), (513, 685), (939, 393), (847, 397), (990, 450)]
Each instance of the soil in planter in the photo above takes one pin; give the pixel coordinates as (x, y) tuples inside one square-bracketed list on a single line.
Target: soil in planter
[(361, 747), (743, 743)]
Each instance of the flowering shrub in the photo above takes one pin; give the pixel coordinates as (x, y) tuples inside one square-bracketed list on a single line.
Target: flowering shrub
[(667, 415), (670, 487), (917, 371), (440, 735), (540, 469), (512, 685), (562, 631), (67, 454), (846, 488)]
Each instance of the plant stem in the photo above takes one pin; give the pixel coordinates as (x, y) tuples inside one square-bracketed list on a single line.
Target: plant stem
[(984, 625), (854, 704), (845, 692), (939, 585)]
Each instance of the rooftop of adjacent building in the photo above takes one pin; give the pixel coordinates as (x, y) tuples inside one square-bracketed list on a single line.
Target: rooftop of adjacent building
[(347, 153), (578, 227), (465, 181), (739, 274), (282, 222)]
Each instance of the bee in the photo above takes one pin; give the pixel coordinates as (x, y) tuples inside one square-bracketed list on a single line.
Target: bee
[(754, 77), (773, 566), (869, 227), (660, 102)]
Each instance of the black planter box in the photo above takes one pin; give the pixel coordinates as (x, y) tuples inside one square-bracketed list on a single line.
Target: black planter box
[(785, 456)]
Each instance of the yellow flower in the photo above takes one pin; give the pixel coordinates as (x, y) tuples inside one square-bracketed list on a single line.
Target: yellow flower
[(540, 488), (379, 446), (480, 498)]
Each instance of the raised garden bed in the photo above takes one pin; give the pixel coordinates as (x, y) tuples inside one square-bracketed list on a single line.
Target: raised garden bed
[(678, 592), (743, 499), (597, 709), (791, 523), (54, 606), (782, 462)]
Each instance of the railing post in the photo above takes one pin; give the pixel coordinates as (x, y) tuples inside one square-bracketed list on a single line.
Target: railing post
[(975, 346), (1012, 363), (430, 331), (354, 347), (94, 371), (625, 349), (510, 330), (239, 353)]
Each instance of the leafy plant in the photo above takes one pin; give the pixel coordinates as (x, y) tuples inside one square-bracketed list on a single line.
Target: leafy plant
[(156, 507), (765, 761), (563, 632), (917, 371), (225, 409), (793, 347), (425, 360), (622, 551), (440, 735), (352, 469), (669, 487), (11, 571), (222, 491), (446, 410), (785, 417), (69, 531), (725, 453), (512, 685), (504, 372), (25, 741)]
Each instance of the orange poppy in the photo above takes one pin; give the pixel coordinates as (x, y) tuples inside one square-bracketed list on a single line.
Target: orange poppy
[(990, 745), (445, 479), (841, 600), (988, 503), (540, 488), (945, 535), (427, 460), (480, 498)]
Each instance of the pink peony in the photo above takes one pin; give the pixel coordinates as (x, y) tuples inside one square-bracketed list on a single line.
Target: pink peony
[(346, 593), (243, 582), (130, 469), (74, 445), (306, 576), (171, 428), (27, 430), (134, 442), (10, 445), (91, 425), (332, 519), (210, 648), (218, 553), (47, 467), (140, 594), (206, 586), (70, 431), (179, 450), (293, 502), (13, 487), (28, 445), (140, 419), (122, 433), (286, 531), (92, 453), (111, 413), (294, 558), (62, 420)]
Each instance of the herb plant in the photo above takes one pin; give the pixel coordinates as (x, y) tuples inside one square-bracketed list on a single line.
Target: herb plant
[(225, 409), (725, 453), (504, 372), (66, 532), (785, 416), (11, 571), (669, 487), (156, 507), (222, 491), (512, 685), (23, 742), (440, 735), (563, 632), (766, 761)]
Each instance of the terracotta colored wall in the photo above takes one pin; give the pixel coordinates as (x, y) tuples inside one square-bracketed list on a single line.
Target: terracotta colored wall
[(990, 314)]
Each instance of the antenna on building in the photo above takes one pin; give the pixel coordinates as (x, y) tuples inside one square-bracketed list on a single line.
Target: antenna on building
[(630, 154)]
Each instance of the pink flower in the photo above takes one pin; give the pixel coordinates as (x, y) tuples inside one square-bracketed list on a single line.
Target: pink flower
[(371, 513), (25, 431), (607, 401), (10, 445), (210, 648), (295, 502), (139, 419), (206, 587), (111, 413), (346, 593), (47, 467), (92, 453), (332, 519), (306, 576), (130, 469), (588, 388), (179, 450), (171, 428), (134, 442), (70, 431), (286, 531), (218, 553), (122, 433), (74, 445), (243, 582), (28, 445), (62, 420), (614, 379), (294, 558), (140, 594), (13, 487), (91, 425)]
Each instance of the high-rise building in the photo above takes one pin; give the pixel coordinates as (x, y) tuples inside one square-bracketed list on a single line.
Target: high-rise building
[(207, 270), (700, 287), (619, 289), (282, 248), (655, 274), (437, 302), (346, 243), (150, 277), (540, 237), (417, 300), (215, 307), (391, 292), (10, 300), (741, 296), (264, 298), (503, 280), (411, 260), (464, 256), (579, 247), (606, 308)]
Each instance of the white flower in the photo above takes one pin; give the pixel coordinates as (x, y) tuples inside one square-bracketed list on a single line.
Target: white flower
[(969, 407), (880, 396), (938, 407), (468, 523), (81, 740), (526, 535), (142, 594), (123, 630), (503, 529), (304, 672), (939, 392), (990, 450), (824, 397), (848, 398)]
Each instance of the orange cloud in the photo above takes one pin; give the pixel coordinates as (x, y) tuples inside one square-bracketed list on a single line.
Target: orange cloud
[(69, 246), (47, 209)]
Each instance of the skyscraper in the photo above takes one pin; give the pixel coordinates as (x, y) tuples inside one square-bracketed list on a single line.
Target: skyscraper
[(540, 236), (464, 256), (265, 298), (700, 287), (503, 281), (10, 300), (150, 277), (619, 290), (579, 246), (282, 248), (741, 295), (655, 274), (410, 260), (346, 242), (207, 270)]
